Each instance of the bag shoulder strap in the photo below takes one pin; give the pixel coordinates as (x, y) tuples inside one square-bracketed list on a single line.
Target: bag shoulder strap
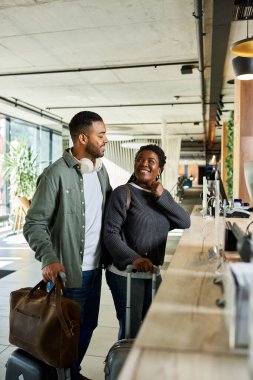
[(128, 197), (58, 289)]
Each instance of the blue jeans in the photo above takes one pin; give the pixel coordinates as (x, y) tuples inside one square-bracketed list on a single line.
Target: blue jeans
[(88, 297), (141, 298)]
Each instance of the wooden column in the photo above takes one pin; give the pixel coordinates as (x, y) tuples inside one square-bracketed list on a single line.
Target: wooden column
[(243, 135)]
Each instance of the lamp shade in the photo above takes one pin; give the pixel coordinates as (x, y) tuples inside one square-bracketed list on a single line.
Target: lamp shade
[(243, 48), (243, 67)]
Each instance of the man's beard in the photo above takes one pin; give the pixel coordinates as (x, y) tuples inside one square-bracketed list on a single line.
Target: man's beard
[(94, 153)]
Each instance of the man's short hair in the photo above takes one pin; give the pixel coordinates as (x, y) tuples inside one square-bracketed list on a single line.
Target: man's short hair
[(81, 122)]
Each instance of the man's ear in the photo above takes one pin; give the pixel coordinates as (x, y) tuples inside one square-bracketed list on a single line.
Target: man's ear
[(83, 139)]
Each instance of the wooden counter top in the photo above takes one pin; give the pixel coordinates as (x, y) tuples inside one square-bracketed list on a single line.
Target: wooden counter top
[(184, 336)]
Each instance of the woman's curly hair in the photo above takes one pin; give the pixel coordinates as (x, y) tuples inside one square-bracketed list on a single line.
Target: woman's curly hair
[(156, 149)]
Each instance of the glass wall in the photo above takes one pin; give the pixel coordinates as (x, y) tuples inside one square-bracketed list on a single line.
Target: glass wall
[(44, 159), (50, 147), (45, 143), (21, 130), (56, 146), (3, 192)]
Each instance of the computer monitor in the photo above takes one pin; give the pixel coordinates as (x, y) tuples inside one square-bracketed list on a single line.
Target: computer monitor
[(248, 174), (223, 194), (222, 189), (243, 243)]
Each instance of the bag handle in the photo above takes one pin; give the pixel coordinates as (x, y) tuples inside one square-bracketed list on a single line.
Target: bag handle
[(58, 287), (41, 285)]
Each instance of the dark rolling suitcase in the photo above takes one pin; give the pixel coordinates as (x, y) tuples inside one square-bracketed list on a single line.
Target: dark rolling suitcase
[(23, 366), (118, 352)]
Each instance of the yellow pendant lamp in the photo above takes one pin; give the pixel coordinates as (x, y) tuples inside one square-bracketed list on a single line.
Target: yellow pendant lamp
[(243, 63)]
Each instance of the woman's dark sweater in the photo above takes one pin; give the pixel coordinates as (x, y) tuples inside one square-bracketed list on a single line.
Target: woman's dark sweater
[(143, 229)]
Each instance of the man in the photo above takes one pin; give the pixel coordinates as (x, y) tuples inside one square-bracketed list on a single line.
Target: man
[(63, 223)]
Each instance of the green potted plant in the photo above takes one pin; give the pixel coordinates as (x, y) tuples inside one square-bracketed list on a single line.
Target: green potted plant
[(20, 168)]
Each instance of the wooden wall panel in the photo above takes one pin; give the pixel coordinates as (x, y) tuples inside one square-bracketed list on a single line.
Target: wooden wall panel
[(243, 135)]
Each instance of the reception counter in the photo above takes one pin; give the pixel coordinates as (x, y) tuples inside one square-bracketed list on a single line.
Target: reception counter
[(184, 336)]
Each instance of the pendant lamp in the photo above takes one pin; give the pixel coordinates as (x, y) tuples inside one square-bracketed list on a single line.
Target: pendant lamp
[(243, 48), (243, 63), (243, 67)]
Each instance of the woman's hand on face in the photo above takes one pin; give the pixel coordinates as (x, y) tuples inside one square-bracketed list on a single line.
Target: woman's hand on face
[(157, 189), (143, 265)]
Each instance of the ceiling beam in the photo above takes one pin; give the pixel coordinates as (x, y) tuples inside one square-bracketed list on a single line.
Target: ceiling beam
[(33, 109), (155, 123), (99, 68), (173, 104), (124, 105)]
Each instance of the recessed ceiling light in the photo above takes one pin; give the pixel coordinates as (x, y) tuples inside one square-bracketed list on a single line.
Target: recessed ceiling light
[(134, 145), (113, 137)]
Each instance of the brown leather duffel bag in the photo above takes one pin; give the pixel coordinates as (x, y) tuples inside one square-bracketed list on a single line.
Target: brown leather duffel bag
[(45, 324)]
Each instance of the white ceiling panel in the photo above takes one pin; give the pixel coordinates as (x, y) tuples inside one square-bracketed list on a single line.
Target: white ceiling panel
[(62, 35)]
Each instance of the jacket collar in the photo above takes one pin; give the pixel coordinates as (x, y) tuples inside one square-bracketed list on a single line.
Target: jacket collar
[(70, 160)]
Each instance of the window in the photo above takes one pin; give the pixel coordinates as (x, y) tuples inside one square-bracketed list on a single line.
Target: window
[(46, 143), (3, 192), (44, 156), (20, 129), (56, 146)]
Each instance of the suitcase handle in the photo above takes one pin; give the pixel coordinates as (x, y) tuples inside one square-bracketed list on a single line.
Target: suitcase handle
[(62, 277), (132, 269)]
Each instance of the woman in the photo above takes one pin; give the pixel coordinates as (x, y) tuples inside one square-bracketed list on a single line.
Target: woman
[(138, 235)]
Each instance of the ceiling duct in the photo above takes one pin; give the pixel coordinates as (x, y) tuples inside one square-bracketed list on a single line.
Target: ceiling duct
[(198, 14), (222, 15), (243, 10)]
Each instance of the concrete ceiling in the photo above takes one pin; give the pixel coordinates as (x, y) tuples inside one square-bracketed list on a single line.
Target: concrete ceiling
[(123, 60)]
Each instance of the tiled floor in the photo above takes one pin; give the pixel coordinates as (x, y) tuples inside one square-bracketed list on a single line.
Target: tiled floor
[(16, 255)]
